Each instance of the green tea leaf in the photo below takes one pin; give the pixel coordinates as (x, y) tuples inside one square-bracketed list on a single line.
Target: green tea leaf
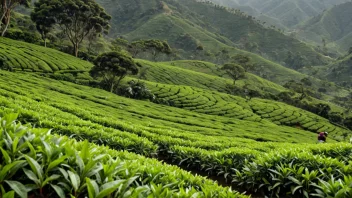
[(31, 175), (11, 169), (109, 188), (6, 156), (56, 162), (59, 191), (36, 168), (49, 179), (92, 187), (10, 194), (19, 188)]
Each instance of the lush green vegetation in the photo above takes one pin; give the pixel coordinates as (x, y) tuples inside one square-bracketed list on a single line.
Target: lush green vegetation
[(211, 119), (17, 55), (203, 31), (207, 143), (332, 25), (38, 164)]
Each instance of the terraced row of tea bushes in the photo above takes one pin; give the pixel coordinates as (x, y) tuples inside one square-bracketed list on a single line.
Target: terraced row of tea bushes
[(202, 75), (38, 164), (70, 119), (207, 102), (122, 112), (280, 113), (215, 103), (28, 57), (168, 74), (75, 105)]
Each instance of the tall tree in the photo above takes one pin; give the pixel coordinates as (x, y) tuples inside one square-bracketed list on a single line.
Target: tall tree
[(235, 71), (76, 18), (43, 19), (244, 61), (7, 7), (153, 46), (113, 67)]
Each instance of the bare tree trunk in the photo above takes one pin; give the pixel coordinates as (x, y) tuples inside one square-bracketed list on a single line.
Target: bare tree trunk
[(119, 80), (8, 18), (76, 48), (2, 18), (112, 87)]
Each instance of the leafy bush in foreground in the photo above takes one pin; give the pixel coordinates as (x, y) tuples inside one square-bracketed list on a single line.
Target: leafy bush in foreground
[(42, 165)]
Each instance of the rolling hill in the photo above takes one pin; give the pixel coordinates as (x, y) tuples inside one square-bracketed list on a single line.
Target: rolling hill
[(333, 25)]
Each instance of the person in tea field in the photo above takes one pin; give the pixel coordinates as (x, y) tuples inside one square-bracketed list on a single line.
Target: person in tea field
[(322, 137)]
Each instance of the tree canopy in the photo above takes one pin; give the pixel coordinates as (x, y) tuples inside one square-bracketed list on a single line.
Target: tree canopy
[(153, 45), (244, 61), (113, 67), (235, 71), (76, 18), (6, 8)]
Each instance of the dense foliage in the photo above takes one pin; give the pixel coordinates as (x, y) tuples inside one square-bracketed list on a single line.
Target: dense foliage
[(26, 57), (38, 164), (113, 67), (190, 140), (76, 18)]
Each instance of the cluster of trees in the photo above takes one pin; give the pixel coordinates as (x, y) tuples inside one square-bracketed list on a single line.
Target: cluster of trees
[(76, 19), (238, 67), (6, 8)]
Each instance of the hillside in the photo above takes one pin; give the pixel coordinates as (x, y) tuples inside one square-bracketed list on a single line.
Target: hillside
[(188, 24), (207, 75), (333, 25), (282, 13)]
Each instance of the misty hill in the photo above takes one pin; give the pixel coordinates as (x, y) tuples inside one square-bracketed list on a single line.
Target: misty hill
[(333, 25), (282, 13)]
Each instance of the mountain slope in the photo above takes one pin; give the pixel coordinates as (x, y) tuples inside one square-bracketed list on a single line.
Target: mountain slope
[(288, 13), (188, 24), (333, 25)]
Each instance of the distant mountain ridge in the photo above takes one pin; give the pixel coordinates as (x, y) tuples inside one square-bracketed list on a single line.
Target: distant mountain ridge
[(333, 25), (282, 13)]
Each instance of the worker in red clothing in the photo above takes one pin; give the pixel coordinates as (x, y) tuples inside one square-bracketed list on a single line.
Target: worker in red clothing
[(322, 137)]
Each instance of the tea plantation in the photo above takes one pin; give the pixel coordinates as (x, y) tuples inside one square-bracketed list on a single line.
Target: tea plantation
[(28, 57), (60, 139), (221, 147), (216, 103)]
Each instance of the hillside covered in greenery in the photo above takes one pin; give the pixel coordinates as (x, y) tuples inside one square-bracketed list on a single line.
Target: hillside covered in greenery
[(172, 98), (333, 25), (285, 13), (187, 25)]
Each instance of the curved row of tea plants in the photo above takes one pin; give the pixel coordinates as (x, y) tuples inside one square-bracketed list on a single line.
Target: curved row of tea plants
[(38, 164), (216, 103), (92, 105), (202, 75), (28, 57)]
